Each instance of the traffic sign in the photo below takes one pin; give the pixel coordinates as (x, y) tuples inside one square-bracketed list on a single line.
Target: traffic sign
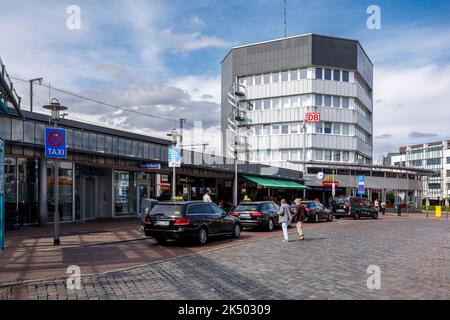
[(55, 143), (313, 117), (174, 157), (361, 189), (361, 179)]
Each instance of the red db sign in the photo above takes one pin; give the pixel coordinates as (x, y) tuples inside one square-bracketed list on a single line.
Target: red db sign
[(312, 117)]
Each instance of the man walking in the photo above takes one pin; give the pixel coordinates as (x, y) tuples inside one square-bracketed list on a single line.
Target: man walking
[(299, 217), (206, 197), (284, 218)]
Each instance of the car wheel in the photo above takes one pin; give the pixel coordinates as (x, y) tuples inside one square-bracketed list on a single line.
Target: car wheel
[(375, 215), (161, 241), (356, 216), (202, 236), (270, 225), (236, 231), (316, 218)]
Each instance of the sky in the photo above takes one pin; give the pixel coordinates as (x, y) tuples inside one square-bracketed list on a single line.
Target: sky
[(163, 58)]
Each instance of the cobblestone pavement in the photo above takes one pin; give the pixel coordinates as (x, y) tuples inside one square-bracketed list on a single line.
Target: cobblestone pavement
[(413, 254)]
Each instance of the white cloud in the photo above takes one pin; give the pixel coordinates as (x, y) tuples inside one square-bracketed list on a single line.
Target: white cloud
[(184, 42), (412, 103)]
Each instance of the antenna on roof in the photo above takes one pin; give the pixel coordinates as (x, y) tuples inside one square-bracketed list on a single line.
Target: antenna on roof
[(285, 20)]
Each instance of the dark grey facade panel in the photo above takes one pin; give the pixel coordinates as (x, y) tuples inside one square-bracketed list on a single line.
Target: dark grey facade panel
[(334, 52), (365, 67)]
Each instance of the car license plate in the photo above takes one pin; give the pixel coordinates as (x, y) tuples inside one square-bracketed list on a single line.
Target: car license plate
[(345, 207), (162, 223), (245, 215)]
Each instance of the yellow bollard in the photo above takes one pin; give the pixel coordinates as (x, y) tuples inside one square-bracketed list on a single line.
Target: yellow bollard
[(438, 211)]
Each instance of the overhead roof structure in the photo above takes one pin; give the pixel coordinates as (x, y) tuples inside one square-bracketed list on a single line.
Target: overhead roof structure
[(8, 92)]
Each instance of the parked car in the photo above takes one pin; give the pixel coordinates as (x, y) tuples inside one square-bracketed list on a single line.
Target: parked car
[(146, 207), (355, 207), (316, 212), (258, 214), (189, 220)]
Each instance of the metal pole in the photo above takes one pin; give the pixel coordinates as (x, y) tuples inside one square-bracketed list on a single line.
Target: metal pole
[(31, 95), (235, 187), (304, 155), (56, 240), (174, 187)]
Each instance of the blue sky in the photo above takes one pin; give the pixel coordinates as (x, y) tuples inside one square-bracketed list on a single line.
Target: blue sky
[(163, 57)]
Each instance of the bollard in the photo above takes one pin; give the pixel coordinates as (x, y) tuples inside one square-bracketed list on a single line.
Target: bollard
[(438, 211)]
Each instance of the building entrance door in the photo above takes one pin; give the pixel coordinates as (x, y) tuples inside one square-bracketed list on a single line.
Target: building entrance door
[(90, 201)]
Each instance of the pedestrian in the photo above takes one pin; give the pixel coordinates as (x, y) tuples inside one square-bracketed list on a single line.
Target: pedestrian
[(206, 197), (383, 207), (299, 217), (377, 204), (285, 217)]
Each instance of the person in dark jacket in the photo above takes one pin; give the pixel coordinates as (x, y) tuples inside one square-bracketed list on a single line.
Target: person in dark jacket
[(299, 217)]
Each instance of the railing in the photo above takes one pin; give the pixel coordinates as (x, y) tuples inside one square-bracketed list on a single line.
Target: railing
[(7, 90)]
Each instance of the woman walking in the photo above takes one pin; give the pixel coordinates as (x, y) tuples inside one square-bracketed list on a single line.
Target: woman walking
[(299, 217), (285, 217)]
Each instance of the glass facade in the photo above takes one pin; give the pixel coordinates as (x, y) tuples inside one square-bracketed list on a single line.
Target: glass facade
[(65, 199), (125, 193)]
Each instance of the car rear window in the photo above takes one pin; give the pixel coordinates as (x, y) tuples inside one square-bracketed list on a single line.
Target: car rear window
[(247, 207), (170, 210), (308, 204), (343, 200)]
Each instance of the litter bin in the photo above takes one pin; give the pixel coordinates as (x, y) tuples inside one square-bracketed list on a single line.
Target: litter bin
[(398, 209)]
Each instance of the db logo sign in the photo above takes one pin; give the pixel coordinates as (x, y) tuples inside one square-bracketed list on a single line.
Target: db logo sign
[(312, 117)]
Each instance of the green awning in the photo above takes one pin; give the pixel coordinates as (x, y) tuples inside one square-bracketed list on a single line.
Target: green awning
[(275, 183)]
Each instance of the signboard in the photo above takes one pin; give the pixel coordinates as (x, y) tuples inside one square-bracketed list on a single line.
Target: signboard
[(361, 189), (328, 184), (55, 143), (156, 166), (174, 157), (312, 117)]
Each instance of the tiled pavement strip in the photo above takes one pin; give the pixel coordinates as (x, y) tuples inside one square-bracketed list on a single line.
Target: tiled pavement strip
[(413, 254)]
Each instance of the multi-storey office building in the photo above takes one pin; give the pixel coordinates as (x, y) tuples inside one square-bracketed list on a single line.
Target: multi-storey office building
[(287, 78), (431, 156)]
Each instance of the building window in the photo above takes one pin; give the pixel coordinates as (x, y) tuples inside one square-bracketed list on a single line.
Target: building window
[(327, 101), (337, 75), (294, 128), (336, 128), (345, 103), (275, 129), (285, 155), (266, 78), (276, 103), (319, 155), (327, 155), (275, 77), (345, 76), (285, 129), (319, 127), (303, 73), (285, 76), (337, 156), (286, 103), (346, 156), (125, 193), (258, 130), (319, 73), (257, 104), (336, 101), (266, 130), (319, 100), (266, 104), (327, 74), (276, 155), (328, 126), (294, 75), (258, 80), (294, 155), (345, 129)]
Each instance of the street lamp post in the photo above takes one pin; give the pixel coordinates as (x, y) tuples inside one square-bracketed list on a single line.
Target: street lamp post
[(31, 91), (55, 114)]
